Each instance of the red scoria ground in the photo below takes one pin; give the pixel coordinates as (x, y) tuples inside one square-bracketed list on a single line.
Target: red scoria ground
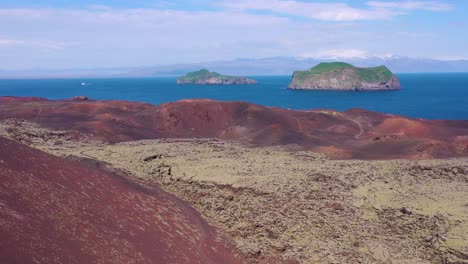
[(54, 210), (351, 134)]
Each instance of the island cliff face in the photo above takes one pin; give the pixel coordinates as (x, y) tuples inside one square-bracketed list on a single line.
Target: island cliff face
[(206, 77), (344, 76)]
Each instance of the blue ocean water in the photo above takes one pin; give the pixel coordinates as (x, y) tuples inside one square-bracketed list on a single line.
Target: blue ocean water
[(428, 95)]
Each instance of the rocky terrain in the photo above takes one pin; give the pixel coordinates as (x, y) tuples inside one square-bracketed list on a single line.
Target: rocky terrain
[(54, 210), (206, 77), (283, 186), (351, 134), (346, 77), (280, 204)]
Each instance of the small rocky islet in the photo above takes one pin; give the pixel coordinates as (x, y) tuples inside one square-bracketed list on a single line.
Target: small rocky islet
[(339, 76), (206, 77), (342, 76)]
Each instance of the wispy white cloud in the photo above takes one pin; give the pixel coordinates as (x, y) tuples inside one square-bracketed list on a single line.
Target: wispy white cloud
[(102, 36), (320, 11), (336, 11), (337, 53), (419, 35), (106, 36), (5, 43), (413, 5), (42, 44), (343, 53), (452, 58)]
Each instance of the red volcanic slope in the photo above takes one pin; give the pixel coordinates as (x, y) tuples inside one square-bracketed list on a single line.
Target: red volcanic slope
[(57, 211), (352, 134)]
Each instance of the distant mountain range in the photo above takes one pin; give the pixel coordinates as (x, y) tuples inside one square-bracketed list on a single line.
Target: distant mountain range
[(286, 65), (252, 67)]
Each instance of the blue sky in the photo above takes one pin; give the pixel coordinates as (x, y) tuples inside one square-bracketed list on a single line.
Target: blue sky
[(94, 34)]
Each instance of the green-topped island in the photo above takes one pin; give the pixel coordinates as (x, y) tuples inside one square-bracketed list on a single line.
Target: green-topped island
[(206, 77), (344, 76)]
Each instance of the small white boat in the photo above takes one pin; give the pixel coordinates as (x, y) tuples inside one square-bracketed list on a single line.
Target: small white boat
[(85, 84)]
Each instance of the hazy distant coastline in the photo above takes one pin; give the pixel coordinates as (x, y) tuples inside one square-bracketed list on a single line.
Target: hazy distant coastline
[(248, 67)]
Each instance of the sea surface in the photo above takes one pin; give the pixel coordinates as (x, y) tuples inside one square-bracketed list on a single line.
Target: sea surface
[(425, 95)]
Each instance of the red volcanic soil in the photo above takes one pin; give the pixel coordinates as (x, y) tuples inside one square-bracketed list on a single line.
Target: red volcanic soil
[(352, 134), (54, 210)]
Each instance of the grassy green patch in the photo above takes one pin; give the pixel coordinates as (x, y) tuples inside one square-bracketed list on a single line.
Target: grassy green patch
[(329, 66), (375, 74), (203, 75)]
